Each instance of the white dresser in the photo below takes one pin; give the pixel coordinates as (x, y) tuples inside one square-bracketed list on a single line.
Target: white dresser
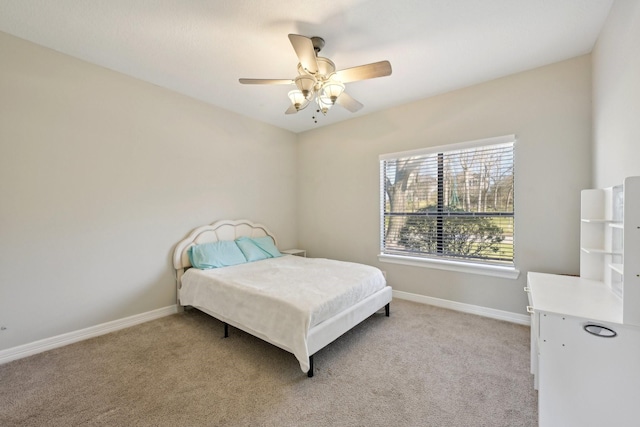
[(582, 379), (585, 331)]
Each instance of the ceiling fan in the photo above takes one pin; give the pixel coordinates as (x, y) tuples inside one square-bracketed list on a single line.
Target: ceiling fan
[(318, 79)]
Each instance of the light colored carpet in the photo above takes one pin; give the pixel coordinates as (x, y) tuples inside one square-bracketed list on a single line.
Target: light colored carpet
[(423, 366)]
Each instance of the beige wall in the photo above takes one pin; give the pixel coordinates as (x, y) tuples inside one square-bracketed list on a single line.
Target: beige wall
[(549, 109), (91, 207), (101, 174), (616, 96)]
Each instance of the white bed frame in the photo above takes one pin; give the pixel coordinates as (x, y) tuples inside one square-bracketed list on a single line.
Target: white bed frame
[(320, 335)]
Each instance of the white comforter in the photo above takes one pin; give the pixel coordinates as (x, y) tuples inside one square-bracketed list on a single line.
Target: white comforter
[(280, 299)]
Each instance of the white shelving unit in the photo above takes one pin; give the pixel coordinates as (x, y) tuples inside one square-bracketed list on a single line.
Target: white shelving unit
[(585, 331), (609, 234), (601, 226)]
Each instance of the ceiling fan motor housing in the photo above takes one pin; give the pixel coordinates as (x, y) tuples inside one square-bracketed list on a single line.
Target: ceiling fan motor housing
[(318, 43)]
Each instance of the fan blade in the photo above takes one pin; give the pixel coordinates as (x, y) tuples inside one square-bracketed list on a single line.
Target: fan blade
[(306, 54), (348, 102), (363, 72), (266, 81), (291, 110)]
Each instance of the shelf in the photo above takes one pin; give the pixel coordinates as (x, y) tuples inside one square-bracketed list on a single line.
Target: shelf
[(600, 251), (617, 225), (596, 220), (618, 268)]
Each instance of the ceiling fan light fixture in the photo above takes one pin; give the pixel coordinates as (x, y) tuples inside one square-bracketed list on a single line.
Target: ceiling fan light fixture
[(325, 66), (324, 104), (306, 84), (298, 99), (331, 90)]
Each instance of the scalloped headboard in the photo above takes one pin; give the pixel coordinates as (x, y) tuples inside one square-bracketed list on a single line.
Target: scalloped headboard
[(220, 230)]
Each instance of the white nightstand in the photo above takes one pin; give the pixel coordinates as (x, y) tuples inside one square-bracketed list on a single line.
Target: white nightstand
[(296, 252)]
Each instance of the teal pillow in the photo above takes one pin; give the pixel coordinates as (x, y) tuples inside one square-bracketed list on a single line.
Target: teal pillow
[(258, 248), (216, 254), (251, 251), (266, 244)]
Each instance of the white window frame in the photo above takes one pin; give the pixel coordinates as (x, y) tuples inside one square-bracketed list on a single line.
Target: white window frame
[(508, 272)]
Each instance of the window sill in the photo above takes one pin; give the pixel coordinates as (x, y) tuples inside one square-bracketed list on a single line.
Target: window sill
[(463, 267)]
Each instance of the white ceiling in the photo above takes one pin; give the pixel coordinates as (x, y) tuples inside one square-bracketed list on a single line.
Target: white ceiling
[(201, 47)]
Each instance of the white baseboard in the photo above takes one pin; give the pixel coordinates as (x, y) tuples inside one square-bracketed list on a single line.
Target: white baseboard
[(508, 316), (39, 346), (71, 337)]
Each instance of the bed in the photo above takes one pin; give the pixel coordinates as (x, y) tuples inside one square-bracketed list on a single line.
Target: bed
[(296, 303)]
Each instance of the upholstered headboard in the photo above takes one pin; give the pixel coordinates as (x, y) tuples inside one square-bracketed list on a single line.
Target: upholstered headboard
[(220, 230)]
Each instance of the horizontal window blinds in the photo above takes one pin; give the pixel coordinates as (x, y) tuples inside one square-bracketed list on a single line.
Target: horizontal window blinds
[(455, 204)]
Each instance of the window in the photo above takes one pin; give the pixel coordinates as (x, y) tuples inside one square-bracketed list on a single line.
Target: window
[(452, 203)]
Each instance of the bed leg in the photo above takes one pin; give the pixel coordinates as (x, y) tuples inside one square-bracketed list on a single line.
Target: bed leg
[(310, 372), (386, 309), (226, 330)]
